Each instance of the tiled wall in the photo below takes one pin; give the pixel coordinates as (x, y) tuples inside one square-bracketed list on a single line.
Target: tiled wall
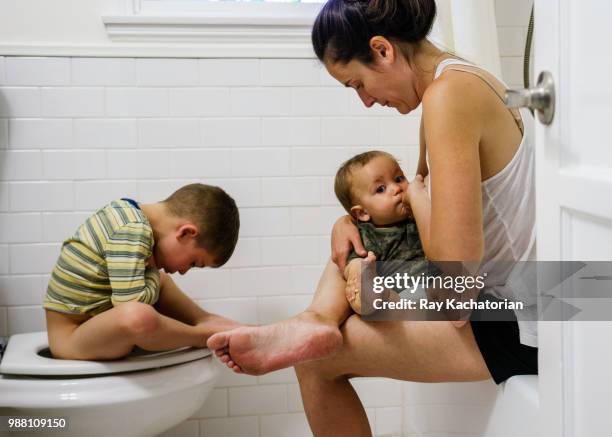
[(78, 132)]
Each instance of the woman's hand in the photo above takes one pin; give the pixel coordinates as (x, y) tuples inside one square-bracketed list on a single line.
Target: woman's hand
[(345, 236)]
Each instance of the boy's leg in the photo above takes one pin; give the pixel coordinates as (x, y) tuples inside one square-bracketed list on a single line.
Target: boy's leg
[(313, 334), (113, 333), (177, 305)]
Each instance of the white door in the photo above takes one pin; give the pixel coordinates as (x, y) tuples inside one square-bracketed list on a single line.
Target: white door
[(574, 207)]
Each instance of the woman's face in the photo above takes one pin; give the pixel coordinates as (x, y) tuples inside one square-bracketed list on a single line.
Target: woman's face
[(388, 81)]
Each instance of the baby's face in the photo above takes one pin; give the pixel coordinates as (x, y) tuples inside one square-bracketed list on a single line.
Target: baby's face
[(378, 189)]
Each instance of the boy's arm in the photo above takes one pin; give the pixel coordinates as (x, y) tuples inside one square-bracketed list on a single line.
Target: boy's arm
[(127, 252), (174, 303), (177, 305)]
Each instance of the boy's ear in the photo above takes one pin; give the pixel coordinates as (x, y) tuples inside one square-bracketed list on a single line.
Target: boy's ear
[(187, 230), (360, 214)]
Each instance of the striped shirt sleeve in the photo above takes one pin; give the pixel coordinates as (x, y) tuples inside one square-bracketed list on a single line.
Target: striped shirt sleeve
[(126, 253)]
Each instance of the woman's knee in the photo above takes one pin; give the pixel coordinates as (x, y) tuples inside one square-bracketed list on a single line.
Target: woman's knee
[(137, 319), (324, 370)]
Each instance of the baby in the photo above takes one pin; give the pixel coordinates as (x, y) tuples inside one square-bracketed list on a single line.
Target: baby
[(371, 187), (106, 293)]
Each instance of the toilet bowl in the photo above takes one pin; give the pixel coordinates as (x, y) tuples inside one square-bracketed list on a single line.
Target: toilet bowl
[(143, 394)]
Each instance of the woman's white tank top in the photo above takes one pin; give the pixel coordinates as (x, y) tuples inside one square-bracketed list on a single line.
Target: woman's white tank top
[(508, 209)]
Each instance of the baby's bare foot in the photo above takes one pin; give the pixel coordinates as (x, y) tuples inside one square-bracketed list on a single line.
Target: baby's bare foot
[(360, 272), (259, 350)]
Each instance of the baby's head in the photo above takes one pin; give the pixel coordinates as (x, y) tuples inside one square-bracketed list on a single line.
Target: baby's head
[(371, 187), (203, 232)]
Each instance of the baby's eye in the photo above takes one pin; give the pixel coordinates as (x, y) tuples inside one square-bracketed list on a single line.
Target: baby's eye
[(380, 189), (401, 178)]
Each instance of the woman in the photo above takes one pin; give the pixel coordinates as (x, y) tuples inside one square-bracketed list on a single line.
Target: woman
[(479, 158)]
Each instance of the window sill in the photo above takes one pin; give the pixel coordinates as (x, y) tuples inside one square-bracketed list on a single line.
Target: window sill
[(199, 29)]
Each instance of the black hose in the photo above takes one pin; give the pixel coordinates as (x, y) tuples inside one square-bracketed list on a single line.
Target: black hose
[(527, 56)]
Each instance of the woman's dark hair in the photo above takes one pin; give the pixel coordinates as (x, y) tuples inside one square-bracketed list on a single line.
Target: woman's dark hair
[(343, 28)]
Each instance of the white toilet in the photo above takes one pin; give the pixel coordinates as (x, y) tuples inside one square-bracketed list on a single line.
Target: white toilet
[(141, 395), (516, 409)]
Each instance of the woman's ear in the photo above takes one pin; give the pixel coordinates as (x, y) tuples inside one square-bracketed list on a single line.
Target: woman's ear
[(382, 49), (186, 231), (360, 214)]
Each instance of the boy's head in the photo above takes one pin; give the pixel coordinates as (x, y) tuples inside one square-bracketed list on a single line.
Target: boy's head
[(205, 233), (371, 187)]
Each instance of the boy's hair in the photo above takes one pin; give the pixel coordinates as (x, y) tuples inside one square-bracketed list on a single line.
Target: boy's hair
[(215, 214), (343, 181)]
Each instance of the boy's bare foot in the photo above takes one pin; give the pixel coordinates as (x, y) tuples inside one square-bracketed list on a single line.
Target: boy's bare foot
[(259, 350)]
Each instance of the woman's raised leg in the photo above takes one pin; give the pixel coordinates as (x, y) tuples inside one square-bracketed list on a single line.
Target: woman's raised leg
[(313, 334), (422, 351)]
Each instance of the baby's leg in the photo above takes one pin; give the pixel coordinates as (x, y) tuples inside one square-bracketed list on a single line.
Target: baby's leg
[(310, 335), (113, 333), (358, 272)]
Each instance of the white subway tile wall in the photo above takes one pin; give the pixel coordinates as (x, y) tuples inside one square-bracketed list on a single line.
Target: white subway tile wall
[(76, 133), (2, 71)]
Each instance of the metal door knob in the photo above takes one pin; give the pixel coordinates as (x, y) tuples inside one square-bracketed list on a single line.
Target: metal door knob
[(540, 99)]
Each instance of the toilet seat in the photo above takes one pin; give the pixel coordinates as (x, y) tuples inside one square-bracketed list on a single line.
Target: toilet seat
[(22, 357), (141, 395)]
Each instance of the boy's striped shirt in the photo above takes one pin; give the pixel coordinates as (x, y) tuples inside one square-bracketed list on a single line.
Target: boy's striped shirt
[(104, 263)]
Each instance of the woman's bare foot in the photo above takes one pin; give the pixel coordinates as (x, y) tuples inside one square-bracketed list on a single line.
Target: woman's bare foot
[(259, 350)]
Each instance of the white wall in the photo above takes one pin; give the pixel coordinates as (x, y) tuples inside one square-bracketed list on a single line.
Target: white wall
[(78, 132)]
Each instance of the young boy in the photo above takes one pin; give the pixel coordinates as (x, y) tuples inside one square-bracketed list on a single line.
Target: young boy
[(371, 187), (106, 293)]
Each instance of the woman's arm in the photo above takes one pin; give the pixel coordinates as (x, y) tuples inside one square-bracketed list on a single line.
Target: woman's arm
[(420, 203), (453, 116), (422, 168)]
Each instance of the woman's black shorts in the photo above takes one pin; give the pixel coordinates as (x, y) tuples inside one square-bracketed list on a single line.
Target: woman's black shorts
[(500, 346)]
